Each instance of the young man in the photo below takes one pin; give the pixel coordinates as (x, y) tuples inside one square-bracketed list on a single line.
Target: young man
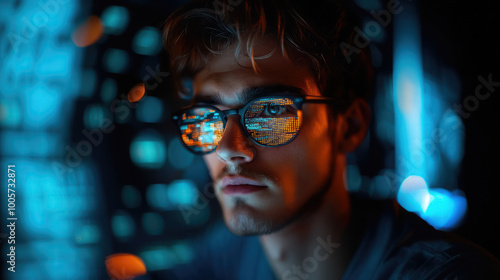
[(276, 106)]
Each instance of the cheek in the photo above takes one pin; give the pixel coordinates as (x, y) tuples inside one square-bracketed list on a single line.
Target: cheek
[(214, 164), (316, 144)]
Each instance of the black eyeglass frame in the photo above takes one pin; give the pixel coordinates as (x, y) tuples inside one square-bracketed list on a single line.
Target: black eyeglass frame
[(298, 100)]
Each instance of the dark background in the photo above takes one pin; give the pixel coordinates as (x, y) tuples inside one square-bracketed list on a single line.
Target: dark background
[(460, 35)]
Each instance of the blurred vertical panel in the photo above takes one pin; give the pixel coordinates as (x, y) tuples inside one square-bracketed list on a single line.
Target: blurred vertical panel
[(59, 230)]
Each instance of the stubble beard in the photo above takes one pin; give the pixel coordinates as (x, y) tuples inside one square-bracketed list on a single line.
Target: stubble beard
[(244, 220)]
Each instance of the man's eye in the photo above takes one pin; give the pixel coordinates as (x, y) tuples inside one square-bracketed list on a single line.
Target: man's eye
[(274, 110)]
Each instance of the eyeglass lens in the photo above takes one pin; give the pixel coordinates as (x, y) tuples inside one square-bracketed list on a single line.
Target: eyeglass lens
[(270, 121)]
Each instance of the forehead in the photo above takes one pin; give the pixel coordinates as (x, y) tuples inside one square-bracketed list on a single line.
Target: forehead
[(227, 79)]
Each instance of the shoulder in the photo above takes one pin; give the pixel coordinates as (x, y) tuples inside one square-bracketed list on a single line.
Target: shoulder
[(423, 252), (399, 245)]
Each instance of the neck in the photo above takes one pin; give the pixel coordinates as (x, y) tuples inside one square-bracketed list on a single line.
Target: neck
[(313, 247)]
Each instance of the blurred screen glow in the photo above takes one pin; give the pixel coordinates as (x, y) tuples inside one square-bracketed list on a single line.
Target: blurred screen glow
[(149, 110), (156, 196), (153, 223), (172, 196), (123, 225), (147, 41), (42, 105), (115, 60), (115, 19), (148, 150), (166, 257), (419, 132), (87, 234), (159, 258), (93, 116), (89, 82), (10, 112), (442, 209), (182, 192), (109, 90), (41, 76)]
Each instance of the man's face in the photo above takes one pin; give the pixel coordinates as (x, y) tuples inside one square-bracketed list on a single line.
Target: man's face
[(262, 189)]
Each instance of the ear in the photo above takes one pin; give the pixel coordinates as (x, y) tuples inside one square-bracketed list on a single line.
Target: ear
[(357, 120)]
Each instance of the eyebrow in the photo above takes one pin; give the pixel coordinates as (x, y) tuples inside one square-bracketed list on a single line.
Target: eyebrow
[(247, 94)]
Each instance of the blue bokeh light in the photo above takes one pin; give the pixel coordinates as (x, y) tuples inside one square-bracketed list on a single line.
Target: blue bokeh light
[(157, 197), (115, 60), (414, 195), (172, 196), (42, 107), (182, 192), (183, 252), (452, 134), (446, 210), (123, 225), (442, 209), (148, 150), (149, 110), (147, 41), (153, 223), (159, 258), (353, 177), (115, 19), (93, 116), (109, 90)]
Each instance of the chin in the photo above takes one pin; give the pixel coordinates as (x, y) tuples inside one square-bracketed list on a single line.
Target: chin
[(244, 220)]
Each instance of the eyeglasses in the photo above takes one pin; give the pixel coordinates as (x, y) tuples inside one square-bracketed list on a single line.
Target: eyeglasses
[(270, 121)]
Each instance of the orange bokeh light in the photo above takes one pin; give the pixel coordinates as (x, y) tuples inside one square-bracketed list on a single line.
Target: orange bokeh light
[(136, 93), (88, 32), (124, 266)]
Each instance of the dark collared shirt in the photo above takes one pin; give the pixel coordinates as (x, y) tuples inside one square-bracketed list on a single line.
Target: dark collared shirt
[(394, 244)]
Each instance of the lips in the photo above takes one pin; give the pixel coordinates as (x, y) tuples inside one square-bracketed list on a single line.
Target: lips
[(237, 185)]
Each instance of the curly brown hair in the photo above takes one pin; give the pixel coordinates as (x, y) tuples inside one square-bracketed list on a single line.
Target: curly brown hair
[(308, 32)]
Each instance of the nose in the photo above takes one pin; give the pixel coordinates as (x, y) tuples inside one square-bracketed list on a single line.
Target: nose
[(235, 146)]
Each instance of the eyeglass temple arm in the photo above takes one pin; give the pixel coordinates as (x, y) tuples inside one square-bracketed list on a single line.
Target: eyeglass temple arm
[(322, 99)]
